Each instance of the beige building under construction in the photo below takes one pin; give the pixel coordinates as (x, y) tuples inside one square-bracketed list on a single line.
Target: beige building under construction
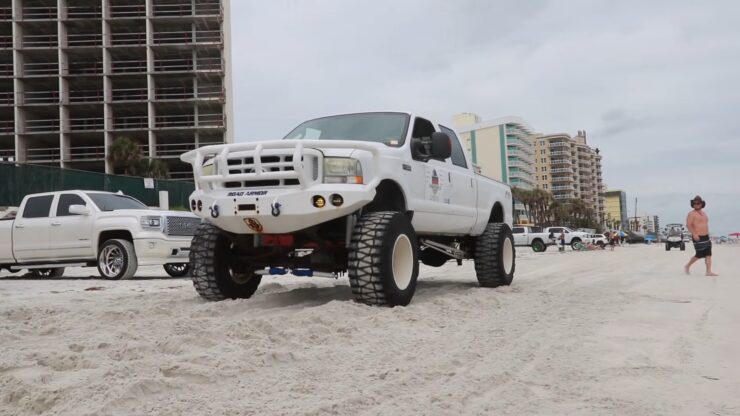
[(568, 168), (77, 74)]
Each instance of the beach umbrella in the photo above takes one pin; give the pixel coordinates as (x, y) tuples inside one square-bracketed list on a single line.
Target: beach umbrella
[(621, 233), (736, 235)]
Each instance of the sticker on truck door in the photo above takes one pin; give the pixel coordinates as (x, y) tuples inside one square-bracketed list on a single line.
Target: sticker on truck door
[(437, 186)]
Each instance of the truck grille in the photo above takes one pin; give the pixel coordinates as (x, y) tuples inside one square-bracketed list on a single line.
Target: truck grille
[(275, 163), (181, 226)]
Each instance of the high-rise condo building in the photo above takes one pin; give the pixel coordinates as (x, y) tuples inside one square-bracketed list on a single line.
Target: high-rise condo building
[(77, 74)]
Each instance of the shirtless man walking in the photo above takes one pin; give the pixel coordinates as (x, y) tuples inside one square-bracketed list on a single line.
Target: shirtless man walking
[(697, 223)]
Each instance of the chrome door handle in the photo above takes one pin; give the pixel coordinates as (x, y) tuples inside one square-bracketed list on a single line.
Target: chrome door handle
[(56, 223)]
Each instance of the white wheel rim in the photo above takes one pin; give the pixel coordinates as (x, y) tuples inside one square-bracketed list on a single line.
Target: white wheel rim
[(403, 262), (111, 261), (508, 256)]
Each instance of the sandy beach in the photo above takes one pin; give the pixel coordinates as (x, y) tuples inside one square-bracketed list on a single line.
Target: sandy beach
[(593, 333)]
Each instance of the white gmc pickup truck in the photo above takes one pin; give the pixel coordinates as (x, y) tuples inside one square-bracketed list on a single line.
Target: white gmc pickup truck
[(114, 232), (369, 194)]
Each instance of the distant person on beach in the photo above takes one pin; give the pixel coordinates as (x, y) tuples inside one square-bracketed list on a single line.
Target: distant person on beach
[(612, 240), (697, 223), (562, 240)]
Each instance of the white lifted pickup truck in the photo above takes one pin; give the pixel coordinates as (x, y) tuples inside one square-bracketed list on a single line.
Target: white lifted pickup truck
[(369, 194), (114, 232)]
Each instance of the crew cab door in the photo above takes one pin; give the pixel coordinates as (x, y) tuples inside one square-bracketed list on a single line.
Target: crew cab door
[(464, 186), (430, 192), (71, 234), (520, 236), (31, 229)]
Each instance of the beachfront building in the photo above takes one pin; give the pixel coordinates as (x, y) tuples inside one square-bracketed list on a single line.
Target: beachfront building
[(77, 74), (646, 224), (615, 208), (502, 149), (570, 169)]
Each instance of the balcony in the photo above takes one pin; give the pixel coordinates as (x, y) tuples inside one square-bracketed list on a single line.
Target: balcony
[(188, 121), (562, 179), (49, 154), (560, 153), (85, 68), (6, 13), (185, 10), (6, 70), (199, 36), (86, 124), (7, 127), (127, 10), (128, 67), (131, 123), (42, 126), (129, 94), (39, 13), (7, 155), (41, 69), (561, 170), (6, 98), (564, 161), (75, 40), (187, 93), (39, 97), (6, 42), (128, 39), (84, 12), (86, 153), (561, 196), (562, 188), (85, 96), (560, 144), (40, 41), (187, 65), (174, 150)]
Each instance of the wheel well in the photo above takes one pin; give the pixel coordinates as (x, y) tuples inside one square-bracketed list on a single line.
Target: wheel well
[(497, 213), (114, 234), (388, 197)]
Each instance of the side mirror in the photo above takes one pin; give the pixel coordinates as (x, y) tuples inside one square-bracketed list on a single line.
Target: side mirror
[(441, 146), (79, 210)]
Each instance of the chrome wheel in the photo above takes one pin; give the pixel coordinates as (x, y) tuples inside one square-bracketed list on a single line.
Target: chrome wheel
[(110, 261)]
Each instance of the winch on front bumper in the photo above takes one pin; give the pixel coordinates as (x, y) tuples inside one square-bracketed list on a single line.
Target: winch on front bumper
[(273, 187)]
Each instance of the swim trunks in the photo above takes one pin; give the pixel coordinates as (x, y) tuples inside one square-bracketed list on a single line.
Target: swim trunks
[(703, 247)]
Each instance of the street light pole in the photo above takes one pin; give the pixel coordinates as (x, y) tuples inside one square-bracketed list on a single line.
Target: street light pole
[(636, 226)]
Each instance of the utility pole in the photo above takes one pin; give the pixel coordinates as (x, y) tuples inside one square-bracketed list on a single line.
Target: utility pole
[(636, 226)]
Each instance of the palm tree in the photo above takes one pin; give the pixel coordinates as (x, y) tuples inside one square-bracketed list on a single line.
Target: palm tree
[(152, 168), (125, 154)]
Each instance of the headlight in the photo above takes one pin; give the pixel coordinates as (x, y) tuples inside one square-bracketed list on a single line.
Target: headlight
[(152, 222), (342, 170)]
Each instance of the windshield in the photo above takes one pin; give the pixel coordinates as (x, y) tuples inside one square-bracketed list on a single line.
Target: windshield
[(113, 202), (387, 128)]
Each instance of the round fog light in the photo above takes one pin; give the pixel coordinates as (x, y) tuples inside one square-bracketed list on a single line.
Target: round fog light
[(192, 205), (200, 205), (319, 201), (337, 200)]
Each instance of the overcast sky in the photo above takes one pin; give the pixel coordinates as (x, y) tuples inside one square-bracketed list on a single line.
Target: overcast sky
[(656, 84)]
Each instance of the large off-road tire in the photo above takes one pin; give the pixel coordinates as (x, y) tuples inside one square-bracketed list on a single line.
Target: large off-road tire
[(667, 247), (495, 256), (683, 247), (215, 274), (539, 246), (433, 258), (53, 272), (117, 260), (383, 259), (177, 269)]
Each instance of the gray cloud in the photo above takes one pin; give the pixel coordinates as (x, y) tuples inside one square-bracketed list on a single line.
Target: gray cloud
[(654, 83)]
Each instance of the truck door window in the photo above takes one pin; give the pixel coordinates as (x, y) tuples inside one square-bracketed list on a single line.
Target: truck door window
[(517, 230), (38, 206), (458, 157), (423, 129), (65, 201)]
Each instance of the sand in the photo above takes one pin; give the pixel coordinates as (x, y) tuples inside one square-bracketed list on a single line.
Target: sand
[(594, 333)]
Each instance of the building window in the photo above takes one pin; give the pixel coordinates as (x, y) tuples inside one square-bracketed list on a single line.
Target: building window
[(544, 168), (544, 186), (544, 177)]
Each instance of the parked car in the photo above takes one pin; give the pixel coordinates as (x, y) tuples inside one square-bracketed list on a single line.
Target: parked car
[(369, 194), (571, 237), (532, 237), (597, 239), (114, 232)]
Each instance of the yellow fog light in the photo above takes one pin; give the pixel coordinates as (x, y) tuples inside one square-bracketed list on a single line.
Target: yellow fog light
[(337, 200), (319, 201)]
